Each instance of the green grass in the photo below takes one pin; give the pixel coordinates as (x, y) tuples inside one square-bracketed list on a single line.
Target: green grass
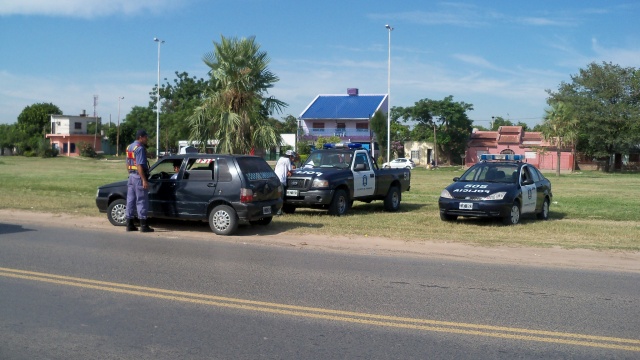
[(590, 210)]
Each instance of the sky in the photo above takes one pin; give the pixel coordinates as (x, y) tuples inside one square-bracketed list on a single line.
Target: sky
[(500, 56)]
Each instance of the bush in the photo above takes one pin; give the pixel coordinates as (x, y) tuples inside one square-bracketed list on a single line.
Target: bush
[(87, 150)]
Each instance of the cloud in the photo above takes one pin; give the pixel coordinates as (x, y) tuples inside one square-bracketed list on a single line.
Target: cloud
[(84, 8)]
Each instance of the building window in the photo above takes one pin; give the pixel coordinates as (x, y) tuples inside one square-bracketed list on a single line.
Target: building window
[(415, 155), (362, 127), (318, 127), (78, 126)]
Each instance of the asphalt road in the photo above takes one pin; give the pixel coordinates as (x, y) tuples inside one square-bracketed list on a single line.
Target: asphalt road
[(88, 294)]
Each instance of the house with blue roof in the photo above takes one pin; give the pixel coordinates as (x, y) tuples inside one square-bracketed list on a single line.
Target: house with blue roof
[(346, 116)]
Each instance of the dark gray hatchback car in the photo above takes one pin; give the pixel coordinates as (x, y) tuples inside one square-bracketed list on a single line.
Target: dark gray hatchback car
[(225, 190)]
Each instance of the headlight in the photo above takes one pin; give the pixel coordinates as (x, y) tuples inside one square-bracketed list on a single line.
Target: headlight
[(445, 194), (496, 196), (318, 183), (97, 192)]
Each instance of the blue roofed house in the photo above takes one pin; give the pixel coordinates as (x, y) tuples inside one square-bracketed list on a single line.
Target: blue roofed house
[(343, 115)]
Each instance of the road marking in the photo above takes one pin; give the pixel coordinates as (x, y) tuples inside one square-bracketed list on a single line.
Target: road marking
[(334, 315)]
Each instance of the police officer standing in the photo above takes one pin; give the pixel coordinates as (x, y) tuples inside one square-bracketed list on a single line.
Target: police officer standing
[(138, 185)]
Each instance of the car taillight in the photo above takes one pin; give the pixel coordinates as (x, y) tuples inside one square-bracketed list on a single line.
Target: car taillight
[(246, 195)]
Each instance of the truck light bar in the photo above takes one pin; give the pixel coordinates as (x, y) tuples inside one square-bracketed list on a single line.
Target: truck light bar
[(342, 146), (510, 157)]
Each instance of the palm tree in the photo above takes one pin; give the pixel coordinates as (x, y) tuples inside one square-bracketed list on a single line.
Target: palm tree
[(237, 107), (560, 128)]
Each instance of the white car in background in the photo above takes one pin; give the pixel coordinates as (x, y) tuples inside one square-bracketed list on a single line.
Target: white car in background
[(399, 163)]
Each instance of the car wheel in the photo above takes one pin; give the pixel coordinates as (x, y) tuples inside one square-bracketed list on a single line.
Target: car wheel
[(385, 167), (392, 200), (223, 220), (339, 204), (288, 209), (117, 212), (446, 217), (262, 221), (408, 168), (544, 214), (514, 215)]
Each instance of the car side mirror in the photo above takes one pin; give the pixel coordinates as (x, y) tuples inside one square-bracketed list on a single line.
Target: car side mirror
[(527, 182), (456, 179), (359, 167)]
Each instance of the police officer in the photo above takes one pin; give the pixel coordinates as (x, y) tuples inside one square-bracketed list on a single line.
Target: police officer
[(138, 185)]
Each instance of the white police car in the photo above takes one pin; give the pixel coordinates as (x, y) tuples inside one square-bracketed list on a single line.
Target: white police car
[(499, 186)]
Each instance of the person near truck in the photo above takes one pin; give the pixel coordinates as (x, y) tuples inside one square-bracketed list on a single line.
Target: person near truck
[(138, 184), (283, 171)]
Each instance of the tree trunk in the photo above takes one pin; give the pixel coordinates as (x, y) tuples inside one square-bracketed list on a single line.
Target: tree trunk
[(559, 153)]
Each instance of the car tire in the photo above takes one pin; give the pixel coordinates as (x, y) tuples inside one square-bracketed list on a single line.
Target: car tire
[(117, 212), (262, 221), (447, 217), (385, 167), (392, 200), (340, 203), (544, 213), (513, 218), (223, 220), (288, 209)]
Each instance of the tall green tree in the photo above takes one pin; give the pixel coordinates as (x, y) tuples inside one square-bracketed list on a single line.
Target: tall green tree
[(378, 125), (560, 128), (8, 137), (237, 106), (606, 100), (33, 123), (453, 126)]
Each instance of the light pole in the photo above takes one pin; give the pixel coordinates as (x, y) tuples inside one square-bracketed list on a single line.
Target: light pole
[(389, 97), (158, 100), (118, 132)]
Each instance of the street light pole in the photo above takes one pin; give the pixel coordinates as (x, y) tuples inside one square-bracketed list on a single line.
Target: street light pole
[(158, 100), (389, 97), (118, 136)]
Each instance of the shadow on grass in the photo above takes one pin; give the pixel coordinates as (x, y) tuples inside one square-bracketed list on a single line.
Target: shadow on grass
[(524, 219), (12, 229)]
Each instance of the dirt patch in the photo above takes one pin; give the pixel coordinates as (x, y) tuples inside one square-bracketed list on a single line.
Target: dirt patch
[(548, 257)]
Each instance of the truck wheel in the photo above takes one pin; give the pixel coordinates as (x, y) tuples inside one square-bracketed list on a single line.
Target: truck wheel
[(392, 200), (339, 204), (223, 220), (514, 215), (117, 212), (262, 221), (288, 209)]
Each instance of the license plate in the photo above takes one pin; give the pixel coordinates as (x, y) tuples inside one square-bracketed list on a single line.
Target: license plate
[(465, 206), (266, 210), (292, 192)]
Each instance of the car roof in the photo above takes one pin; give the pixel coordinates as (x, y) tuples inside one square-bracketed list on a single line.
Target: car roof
[(204, 156)]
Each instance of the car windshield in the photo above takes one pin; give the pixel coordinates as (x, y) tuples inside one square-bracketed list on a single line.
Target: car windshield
[(328, 159), (492, 172)]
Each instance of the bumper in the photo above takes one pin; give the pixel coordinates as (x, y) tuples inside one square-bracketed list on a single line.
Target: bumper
[(310, 198), (257, 210), (102, 204), (479, 208)]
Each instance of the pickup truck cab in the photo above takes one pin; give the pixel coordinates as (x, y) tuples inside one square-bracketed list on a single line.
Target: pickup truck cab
[(225, 190), (332, 179)]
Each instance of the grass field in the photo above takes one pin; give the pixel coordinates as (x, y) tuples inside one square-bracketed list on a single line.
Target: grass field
[(591, 210)]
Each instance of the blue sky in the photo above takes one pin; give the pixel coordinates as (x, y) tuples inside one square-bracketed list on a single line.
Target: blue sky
[(498, 55)]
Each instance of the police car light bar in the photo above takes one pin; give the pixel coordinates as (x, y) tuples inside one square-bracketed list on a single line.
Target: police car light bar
[(511, 157), (342, 146)]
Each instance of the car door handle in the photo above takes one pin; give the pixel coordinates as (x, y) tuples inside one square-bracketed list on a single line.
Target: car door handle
[(211, 185)]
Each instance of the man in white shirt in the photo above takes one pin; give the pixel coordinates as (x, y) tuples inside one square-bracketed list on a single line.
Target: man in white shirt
[(283, 167)]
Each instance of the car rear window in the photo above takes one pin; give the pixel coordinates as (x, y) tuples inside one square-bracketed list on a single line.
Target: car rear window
[(254, 168)]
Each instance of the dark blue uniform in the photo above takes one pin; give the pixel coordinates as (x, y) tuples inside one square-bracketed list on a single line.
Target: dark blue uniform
[(137, 196)]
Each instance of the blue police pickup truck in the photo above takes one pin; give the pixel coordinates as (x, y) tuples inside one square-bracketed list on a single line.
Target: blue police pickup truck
[(332, 178), (225, 190)]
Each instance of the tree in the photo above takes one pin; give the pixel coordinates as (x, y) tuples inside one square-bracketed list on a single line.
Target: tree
[(560, 128), (606, 100), (237, 106), (500, 121), (8, 137), (33, 123), (450, 119), (139, 118), (378, 124)]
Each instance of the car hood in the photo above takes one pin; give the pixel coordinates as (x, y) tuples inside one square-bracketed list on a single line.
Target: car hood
[(114, 184), (462, 189)]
